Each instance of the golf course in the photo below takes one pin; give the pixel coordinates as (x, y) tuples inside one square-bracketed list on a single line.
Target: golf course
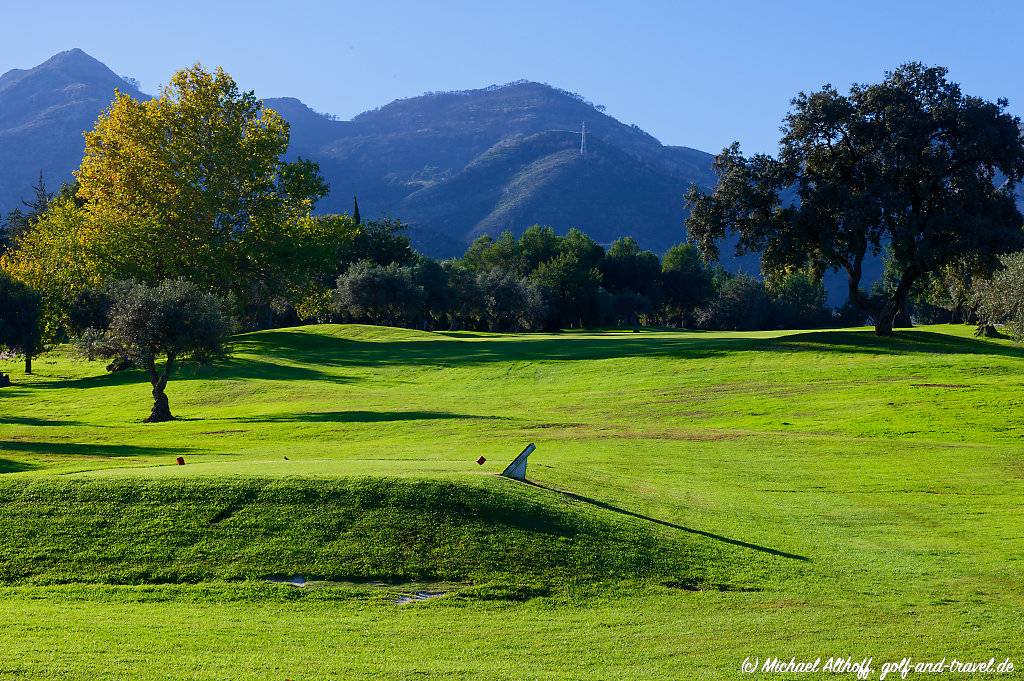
[(695, 499)]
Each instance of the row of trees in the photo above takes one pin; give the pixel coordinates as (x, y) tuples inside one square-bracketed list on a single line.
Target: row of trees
[(545, 281)]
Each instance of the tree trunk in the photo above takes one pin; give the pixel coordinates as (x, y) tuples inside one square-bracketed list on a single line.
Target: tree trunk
[(886, 317), (28, 362), (161, 408)]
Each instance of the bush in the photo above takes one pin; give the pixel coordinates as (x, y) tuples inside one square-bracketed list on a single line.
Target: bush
[(741, 303), (380, 294), (1000, 299)]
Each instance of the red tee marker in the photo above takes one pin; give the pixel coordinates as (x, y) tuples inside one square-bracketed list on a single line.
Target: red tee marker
[(481, 460), (181, 460)]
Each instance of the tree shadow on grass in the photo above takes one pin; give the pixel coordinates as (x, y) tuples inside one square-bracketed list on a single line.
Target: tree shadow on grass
[(230, 368), (665, 523), (82, 449), (910, 341), (358, 416), (445, 351), (11, 466), (306, 355), (32, 421)]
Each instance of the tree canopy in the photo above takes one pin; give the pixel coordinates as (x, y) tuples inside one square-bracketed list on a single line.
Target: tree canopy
[(173, 320), (20, 311), (910, 163), (193, 184)]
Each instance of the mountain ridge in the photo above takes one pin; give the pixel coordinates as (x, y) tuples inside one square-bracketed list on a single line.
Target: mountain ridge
[(453, 165), (44, 112), (400, 156)]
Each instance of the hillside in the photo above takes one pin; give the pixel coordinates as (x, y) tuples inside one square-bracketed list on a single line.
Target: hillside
[(461, 164), (43, 113)]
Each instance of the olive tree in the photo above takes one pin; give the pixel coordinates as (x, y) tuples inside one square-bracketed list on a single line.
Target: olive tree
[(999, 300), (380, 294), (173, 321)]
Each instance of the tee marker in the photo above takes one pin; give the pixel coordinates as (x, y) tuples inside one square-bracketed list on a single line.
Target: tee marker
[(517, 469)]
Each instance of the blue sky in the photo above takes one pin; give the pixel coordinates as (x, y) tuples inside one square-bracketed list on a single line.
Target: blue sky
[(699, 74)]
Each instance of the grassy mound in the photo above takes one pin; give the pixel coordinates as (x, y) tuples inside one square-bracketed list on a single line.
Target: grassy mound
[(151, 531)]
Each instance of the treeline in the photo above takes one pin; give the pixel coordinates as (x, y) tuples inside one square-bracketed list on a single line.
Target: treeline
[(542, 280)]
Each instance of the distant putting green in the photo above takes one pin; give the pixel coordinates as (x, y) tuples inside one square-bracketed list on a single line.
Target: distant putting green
[(698, 498)]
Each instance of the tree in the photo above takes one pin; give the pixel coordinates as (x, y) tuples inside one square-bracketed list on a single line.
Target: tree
[(685, 281), (438, 296), (18, 221), (193, 184), (626, 267), (466, 305), (20, 312), (633, 276), (910, 162), (487, 253), (381, 241), (509, 302), (355, 210), (571, 290), (387, 294), (798, 299), (740, 303), (570, 281), (176, 320), (537, 244), (54, 257), (1000, 299)]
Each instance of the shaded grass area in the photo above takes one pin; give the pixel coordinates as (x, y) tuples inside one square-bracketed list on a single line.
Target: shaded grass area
[(130, 531)]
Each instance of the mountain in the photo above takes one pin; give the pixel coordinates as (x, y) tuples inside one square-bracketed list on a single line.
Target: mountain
[(453, 165), (456, 165), (43, 113)]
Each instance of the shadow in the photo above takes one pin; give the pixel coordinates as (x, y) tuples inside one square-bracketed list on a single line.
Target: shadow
[(665, 523), (80, 449), (306, 356), (31, 421), (98, 381), (231, 368), (901, 343), (358, 417), (448, 350), (9, 466)]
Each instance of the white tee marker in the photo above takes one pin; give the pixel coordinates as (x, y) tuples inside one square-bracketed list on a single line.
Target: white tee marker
[(517, 469)]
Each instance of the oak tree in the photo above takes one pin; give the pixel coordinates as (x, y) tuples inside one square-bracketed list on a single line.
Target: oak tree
[(911, 164)]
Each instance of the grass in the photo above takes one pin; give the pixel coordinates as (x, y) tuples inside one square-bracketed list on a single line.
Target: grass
[(698, 498)]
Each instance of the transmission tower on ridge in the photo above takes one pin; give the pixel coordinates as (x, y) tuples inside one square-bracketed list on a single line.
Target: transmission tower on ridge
[(583, 139)]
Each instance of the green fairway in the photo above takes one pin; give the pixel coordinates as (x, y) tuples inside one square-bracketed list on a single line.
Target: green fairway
[(698, 498)]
